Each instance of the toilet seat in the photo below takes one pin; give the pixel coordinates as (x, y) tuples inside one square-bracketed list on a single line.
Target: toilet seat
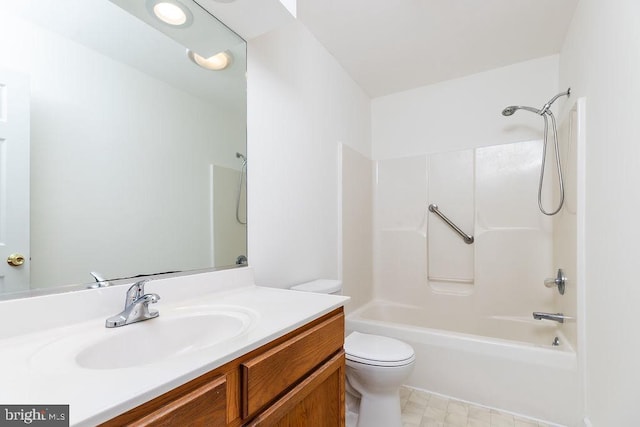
[(320, 286), (377, 350)]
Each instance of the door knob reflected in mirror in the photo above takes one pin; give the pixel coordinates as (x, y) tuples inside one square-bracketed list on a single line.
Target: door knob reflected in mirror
[(15, 260)]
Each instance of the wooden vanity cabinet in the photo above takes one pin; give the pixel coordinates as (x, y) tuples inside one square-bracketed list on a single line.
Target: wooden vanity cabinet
[(317, 401), (295, 380), (205, 405)]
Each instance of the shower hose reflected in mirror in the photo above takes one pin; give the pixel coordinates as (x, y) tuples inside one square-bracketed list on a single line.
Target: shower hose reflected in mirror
[(241, 185), (544, 112)]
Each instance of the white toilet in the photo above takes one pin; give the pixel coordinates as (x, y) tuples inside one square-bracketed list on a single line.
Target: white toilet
[(376, 368), (320, 286)]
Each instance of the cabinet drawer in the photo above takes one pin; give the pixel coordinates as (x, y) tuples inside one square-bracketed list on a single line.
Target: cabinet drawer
[(268, 375), (316, 401), (204, 406)]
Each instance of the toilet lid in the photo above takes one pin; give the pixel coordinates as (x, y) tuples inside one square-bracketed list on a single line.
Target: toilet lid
[(320, 286), (377, 350)]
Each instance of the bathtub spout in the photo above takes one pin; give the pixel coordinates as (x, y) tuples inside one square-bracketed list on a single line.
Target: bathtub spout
[(556, 317)]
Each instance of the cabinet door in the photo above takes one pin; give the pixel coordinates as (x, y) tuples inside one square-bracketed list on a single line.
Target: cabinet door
[(317, 401), (204, 406), (268, 375)]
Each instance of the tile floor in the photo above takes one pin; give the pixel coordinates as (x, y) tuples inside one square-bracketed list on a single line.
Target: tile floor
[(423, 409)]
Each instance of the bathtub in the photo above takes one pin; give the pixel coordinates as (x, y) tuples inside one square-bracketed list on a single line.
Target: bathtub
[(506, 363)]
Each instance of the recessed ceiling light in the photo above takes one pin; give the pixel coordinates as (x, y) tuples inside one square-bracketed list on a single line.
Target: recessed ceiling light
[(170, 12), (216, 62)]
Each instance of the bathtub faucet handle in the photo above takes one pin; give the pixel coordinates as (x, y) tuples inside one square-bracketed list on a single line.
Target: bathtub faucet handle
[(560, 281)]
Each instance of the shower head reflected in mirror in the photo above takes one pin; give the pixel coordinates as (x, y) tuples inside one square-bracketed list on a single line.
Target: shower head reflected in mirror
[(241, 186), (510, 110)]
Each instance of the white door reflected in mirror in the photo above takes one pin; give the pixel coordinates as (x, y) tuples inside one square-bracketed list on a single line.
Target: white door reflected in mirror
[(14, 181)]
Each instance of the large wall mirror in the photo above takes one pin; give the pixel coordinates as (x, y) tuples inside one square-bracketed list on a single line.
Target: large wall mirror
[(120, 153)]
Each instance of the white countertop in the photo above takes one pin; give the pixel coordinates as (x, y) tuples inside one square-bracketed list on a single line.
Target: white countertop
[(37, 363)]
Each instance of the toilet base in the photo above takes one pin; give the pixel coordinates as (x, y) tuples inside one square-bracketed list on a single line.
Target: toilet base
[(380, 410), (351, 419)]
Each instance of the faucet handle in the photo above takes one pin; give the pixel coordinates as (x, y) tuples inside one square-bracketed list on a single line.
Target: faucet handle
[(101, 282), (559, 281), (135, 292)]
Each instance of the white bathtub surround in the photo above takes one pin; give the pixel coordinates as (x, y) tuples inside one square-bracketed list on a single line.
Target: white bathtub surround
[(568, 237), (33, 368), (450, 186), (487, 363), (490, 193), (229, 239), (357, 223)]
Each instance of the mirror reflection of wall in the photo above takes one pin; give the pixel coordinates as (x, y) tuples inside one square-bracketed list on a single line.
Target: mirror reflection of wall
[(133, 163)]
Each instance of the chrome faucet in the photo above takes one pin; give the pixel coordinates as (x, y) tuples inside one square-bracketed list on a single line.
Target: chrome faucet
[(136, 307), (101, 282), (556, 317)]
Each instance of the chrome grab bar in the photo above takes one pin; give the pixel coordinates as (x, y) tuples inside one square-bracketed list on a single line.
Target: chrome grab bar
[(467, 239)]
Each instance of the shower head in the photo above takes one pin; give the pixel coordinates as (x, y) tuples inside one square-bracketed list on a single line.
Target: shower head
[(510, 110), (241, 156), (544, 110)]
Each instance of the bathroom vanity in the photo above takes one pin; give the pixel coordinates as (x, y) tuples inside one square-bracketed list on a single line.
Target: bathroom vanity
[(222, 352), (297, 379)]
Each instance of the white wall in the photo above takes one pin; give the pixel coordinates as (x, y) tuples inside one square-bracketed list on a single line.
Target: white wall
[(601, 61), (463, 113), (301, 106)]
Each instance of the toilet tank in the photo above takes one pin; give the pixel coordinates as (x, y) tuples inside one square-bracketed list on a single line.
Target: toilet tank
[(320, 286)]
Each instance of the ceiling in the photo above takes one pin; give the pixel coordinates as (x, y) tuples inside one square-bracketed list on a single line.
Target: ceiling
[(390, 46)]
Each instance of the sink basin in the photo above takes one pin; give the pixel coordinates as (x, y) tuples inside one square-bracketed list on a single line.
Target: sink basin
[(173, 334), (162, 338)]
